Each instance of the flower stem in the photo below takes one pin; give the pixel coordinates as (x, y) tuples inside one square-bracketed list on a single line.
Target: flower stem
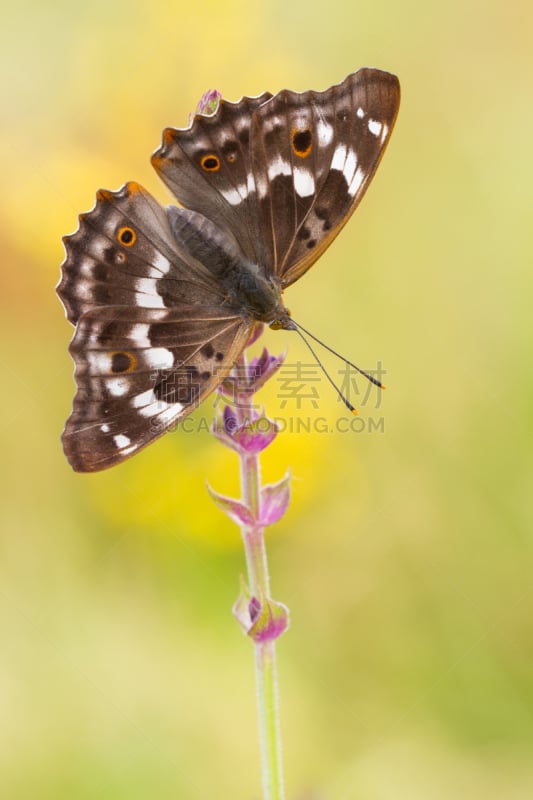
[(269, 729), (259, 587)]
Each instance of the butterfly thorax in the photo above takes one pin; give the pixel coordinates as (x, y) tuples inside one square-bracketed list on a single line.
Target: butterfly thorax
[(254, 293), (250, 290)]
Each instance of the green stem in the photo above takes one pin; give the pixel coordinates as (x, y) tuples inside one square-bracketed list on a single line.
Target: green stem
[(269, 729), (265, 652)]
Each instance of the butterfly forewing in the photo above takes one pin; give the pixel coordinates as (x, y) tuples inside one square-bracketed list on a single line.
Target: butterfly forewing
[(139, 371), (284, 173), (208, 168), (292, 148), (314, 155)]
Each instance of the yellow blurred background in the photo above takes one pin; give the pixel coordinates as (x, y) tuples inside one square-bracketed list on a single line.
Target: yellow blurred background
[(406, 556)]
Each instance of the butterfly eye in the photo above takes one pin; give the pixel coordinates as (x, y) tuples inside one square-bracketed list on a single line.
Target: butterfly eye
[(210, 162), (123, 362), (127, 236), (302, 142)]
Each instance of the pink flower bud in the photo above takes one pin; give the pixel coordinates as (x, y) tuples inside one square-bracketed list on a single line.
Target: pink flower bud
[(262, 621)]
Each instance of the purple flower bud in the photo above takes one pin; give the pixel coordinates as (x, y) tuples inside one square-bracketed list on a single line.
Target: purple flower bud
[(256, 435), (269, 620), (248, 379), (262, 368), (262, 621), (208, 103), (252, 437), (254, 608), (224, 428), (229, 420)]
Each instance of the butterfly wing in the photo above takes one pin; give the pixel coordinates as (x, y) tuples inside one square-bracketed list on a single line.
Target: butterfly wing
[(152, 337), (208, 168), (139, 371), (314, 155), (284, 173), (124, 253)]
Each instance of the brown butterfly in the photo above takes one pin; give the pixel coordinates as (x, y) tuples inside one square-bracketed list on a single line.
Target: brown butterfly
[(165, 300)]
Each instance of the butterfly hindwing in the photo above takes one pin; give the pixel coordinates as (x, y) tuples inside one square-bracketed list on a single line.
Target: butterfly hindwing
[(139, 371), (152, 336)]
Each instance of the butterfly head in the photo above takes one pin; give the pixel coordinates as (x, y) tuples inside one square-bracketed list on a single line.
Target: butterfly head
[(283, 321)]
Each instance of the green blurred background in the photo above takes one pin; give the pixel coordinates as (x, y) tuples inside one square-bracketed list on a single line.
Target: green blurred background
[(406, 556)]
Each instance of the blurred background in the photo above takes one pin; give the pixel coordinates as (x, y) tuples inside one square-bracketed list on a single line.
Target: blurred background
[(406, 556)]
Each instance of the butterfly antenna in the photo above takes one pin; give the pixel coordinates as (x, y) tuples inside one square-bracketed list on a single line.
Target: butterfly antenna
[(371, 378), (322, 367)]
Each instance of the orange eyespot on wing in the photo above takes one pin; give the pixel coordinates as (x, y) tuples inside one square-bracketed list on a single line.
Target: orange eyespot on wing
[(123, 362), (210, 162), (302, 142), (127, 236)]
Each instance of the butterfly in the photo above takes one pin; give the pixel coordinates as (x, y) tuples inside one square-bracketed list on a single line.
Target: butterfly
[(164, 300)]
